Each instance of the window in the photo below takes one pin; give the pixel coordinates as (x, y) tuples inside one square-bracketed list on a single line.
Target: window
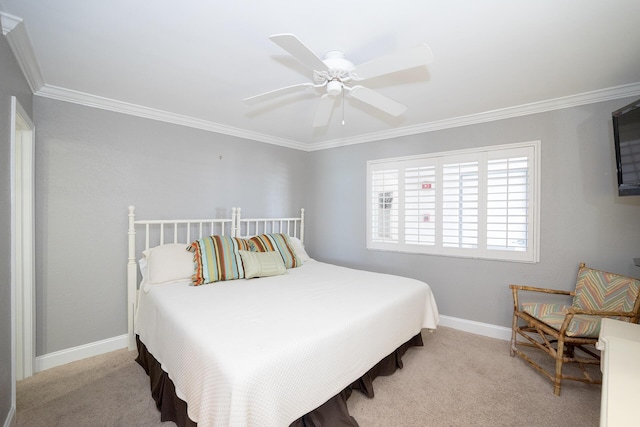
[(480, 203)]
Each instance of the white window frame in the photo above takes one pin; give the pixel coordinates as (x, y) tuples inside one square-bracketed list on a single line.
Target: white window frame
[(530, 252)]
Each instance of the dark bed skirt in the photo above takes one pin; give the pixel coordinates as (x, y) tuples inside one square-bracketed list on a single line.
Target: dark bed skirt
[(332, 413)]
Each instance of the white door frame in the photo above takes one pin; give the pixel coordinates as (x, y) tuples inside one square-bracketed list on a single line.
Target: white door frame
[(22, 154)]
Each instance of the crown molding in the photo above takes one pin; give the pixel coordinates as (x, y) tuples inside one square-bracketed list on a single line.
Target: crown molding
[(76, 97), (14, 29), (8, 22), (94, 101), (592, 97), (30, 67)]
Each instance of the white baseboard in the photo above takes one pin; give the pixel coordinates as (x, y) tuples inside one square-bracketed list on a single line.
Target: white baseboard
[(478, 328), (69, 355), (10, 421)]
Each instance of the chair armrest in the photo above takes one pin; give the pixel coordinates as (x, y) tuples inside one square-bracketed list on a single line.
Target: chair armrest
[(516, 288), (572, 311), (544, 290)]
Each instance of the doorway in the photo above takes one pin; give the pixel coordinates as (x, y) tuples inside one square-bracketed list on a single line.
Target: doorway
[(22, 241)]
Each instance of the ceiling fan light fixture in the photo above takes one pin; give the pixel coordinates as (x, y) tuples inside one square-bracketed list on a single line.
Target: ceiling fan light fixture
[(334, 87), (337, 74)]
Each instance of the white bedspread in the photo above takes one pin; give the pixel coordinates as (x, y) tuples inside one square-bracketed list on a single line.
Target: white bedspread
[(264, 352)]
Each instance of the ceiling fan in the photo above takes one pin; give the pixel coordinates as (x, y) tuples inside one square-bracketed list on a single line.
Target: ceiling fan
[(337, 75)]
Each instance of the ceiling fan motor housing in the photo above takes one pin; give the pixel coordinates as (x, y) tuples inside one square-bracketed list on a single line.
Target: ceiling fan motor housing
[(339, 71)]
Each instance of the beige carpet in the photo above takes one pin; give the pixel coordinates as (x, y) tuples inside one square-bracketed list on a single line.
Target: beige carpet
[(456, 379)]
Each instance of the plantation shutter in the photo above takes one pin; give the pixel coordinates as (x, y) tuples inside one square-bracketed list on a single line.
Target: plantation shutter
[(508, 207), (479, 203), (460, 205), (384, 206), (420, 205)]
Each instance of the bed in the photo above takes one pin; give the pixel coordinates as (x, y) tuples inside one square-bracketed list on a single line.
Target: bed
[(284, 348)]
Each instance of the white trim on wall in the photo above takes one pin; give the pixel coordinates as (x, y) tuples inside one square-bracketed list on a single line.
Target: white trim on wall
[(16, 33), (89, 100), (478, 328), (22, 239), (592, 97), (97, 348), (80, 352), (10, 421), (21, 163)]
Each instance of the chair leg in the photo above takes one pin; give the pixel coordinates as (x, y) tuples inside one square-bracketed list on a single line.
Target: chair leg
[(514, 328), (558, 378), (569, 351)]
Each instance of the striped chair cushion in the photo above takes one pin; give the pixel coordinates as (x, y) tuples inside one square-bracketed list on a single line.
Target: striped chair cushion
[(216, 258), (599, 290), (276, 242), (553, 315)]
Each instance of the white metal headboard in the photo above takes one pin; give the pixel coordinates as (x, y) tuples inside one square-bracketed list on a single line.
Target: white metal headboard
[(160, 232), (252, 226), (180, 231)]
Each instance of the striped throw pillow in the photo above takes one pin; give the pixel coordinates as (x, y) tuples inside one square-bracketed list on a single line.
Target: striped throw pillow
[(216, 258), (276, 242)]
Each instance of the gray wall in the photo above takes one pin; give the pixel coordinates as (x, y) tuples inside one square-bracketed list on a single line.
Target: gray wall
[(12, 83), (92, 164), (582, 218)]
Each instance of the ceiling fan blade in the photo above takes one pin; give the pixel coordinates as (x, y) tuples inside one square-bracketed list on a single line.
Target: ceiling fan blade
[(324, 111), (377, 100), (410, 58), (276, 93), (298, 50)]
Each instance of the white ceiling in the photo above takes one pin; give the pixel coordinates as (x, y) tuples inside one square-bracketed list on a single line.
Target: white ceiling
[(192, 62)]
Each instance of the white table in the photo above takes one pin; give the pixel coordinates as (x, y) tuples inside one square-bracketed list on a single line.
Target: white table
[(620, 364)]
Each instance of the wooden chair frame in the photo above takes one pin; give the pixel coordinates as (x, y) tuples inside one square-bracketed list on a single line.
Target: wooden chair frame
[(543, 337)]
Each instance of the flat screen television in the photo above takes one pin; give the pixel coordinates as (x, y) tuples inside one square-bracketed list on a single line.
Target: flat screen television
[(626, 136)]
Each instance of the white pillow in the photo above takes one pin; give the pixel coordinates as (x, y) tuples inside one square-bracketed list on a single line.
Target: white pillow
[(299, 248), (142, 263), (168, 263), (262, 264)]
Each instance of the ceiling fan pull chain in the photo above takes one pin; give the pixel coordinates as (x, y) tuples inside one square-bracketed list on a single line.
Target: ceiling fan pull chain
[(342, 108)]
